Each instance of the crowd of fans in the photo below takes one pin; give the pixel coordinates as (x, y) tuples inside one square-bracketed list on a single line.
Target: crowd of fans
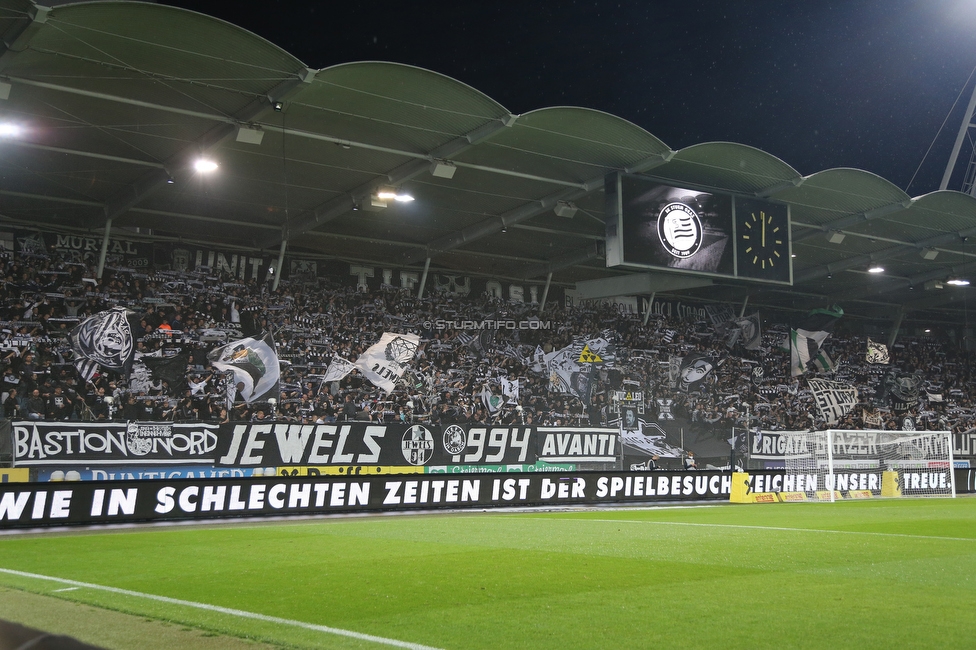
[(44, 296)]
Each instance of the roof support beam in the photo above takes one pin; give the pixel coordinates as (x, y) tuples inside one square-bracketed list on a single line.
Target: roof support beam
[(861, 260), (84, 154), (340, 205), (767, 192), (524, 212), (565, 261), (20, 33), (179, 164), (853, 219)]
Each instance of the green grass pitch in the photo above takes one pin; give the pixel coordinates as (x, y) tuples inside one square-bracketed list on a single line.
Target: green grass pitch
[(872, 574)]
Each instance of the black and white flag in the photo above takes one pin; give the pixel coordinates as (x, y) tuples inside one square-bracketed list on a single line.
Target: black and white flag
[(834, 399), (254, 363), (747, 332), (877, 353), (386, 360), (105, 340), (338, 369)]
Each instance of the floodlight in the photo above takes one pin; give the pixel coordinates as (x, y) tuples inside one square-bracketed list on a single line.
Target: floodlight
[(876, 269), (205, 166), (958, 282), (928, 253), (835, 237), (9, 130)]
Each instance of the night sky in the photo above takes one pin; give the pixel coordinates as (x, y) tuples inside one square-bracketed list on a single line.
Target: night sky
[(856, 83)]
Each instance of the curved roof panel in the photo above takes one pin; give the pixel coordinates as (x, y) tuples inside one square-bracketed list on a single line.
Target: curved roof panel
[(728, 166), (568, 143)]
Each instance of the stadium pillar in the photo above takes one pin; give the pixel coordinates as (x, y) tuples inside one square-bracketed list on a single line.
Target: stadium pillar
[(104, 252), (423, 279), (897, 326), (650, 307), (745, 303), (963, 129), (545, 292), (281, 261)]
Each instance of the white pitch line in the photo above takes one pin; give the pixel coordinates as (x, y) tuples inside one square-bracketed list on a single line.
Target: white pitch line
[(226, 610), (743, 526)]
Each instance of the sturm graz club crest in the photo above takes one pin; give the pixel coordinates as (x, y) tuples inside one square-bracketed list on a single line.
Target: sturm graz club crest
[(455, 440), (400, 350), (138, 444), (680, 230), (417, 445)]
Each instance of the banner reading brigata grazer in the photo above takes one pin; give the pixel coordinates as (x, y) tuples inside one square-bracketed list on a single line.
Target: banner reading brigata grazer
[(91, 502)]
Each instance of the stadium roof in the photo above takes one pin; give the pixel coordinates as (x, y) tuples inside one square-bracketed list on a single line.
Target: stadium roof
[(115, 101)]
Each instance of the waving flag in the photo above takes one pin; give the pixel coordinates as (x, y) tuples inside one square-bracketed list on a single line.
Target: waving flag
[(385, 361), (105, 340), (877, 353), (254, 363), (338, 369), (834, 399)]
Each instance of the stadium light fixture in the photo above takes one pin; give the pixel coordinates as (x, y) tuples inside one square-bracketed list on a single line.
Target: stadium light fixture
[(391, 194), (205, 165), (928, 253), (835, 237), (876, 269), (10, 130), (958, 282)]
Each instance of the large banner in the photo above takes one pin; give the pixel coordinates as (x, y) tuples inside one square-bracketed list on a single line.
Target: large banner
[(274, 444), (90, 443), (773, 445), (364, 443), (95, 502)]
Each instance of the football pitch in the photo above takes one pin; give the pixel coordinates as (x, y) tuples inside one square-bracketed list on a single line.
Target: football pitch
[(867, 574)]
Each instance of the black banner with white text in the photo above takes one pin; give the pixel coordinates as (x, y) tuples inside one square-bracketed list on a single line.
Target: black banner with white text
[(101, 502)]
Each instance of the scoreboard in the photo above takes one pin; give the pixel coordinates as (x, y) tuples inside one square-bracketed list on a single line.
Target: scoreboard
[(652, 225)]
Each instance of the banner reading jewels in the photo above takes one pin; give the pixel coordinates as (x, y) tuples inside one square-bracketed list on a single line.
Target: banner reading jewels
[(362, 443)]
